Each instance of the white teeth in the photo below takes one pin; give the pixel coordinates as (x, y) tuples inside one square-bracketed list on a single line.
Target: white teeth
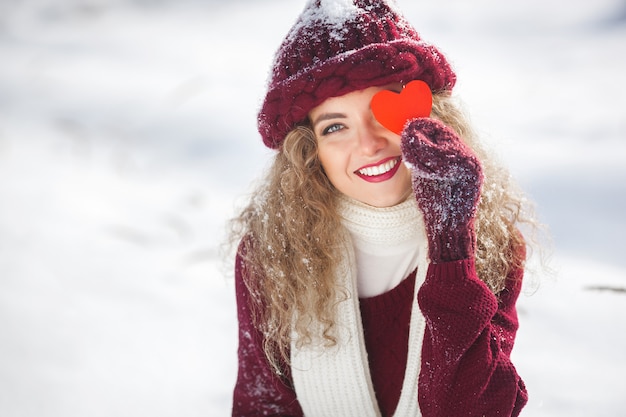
[(380, 169)]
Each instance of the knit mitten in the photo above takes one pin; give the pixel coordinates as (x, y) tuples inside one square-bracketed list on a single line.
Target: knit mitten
[(447, 179)]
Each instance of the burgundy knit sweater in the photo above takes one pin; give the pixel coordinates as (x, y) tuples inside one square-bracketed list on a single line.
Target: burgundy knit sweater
[(466, 368)]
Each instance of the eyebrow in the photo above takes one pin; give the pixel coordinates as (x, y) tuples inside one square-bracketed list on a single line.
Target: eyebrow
[(328, 116)]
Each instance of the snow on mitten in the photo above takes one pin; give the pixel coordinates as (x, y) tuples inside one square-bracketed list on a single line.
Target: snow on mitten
[(447, 179)]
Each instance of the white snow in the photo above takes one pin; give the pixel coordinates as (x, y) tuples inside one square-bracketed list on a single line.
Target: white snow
[(334, 13), (128, 136)]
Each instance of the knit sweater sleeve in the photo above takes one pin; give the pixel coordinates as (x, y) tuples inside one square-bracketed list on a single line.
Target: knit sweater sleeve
[(259, 391), (466, 366)]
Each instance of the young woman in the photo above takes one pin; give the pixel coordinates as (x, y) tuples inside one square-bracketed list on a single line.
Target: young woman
[(377, 270)]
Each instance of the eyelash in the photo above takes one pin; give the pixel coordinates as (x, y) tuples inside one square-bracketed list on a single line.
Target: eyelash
[(335, 127)]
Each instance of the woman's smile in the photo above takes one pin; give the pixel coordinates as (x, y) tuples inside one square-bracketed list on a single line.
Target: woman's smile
[(380, 171), (360, 157)]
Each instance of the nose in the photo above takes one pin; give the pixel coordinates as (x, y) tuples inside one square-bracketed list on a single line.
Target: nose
[(372, 137)]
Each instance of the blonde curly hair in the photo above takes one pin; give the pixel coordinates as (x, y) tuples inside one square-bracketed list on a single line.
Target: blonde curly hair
[(290, 246)]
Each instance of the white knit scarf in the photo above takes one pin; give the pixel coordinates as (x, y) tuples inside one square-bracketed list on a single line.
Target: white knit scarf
[(336, 381)]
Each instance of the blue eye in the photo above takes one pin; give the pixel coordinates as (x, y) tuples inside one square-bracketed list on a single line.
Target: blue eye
[(332, 129)]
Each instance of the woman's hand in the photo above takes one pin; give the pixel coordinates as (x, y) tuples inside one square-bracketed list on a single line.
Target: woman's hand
[(447, 179)]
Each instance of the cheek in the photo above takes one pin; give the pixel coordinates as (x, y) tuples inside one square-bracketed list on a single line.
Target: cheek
[(405, 173), (332, 161)]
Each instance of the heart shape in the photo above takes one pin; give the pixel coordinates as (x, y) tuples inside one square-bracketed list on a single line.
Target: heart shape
[(393, 110)]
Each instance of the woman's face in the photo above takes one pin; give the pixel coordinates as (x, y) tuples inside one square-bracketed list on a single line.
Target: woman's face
[(361, 158)]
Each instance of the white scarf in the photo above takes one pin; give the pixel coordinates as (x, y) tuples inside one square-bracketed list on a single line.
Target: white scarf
[(336, 381), (386, 243)]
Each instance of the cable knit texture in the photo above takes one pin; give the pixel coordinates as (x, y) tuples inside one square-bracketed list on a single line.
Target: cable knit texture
[(336, 47), (466, 366)]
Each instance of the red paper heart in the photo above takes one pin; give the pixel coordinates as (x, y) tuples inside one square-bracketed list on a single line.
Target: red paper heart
[(393, 110)]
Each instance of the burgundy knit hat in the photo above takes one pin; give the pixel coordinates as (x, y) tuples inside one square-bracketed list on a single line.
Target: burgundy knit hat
[(340, 46)]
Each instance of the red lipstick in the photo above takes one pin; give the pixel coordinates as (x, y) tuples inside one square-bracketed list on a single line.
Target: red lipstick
[(380, 171)]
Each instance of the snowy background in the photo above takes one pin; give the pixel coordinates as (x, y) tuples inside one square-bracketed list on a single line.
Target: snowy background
[(127, 137)]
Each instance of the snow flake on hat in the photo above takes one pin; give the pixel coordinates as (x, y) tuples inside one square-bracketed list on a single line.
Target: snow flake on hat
[(338, 11), (330, 13), (335, 13)]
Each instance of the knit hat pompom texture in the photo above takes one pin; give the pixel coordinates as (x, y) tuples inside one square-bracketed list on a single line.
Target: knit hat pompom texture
[(339, 46)]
